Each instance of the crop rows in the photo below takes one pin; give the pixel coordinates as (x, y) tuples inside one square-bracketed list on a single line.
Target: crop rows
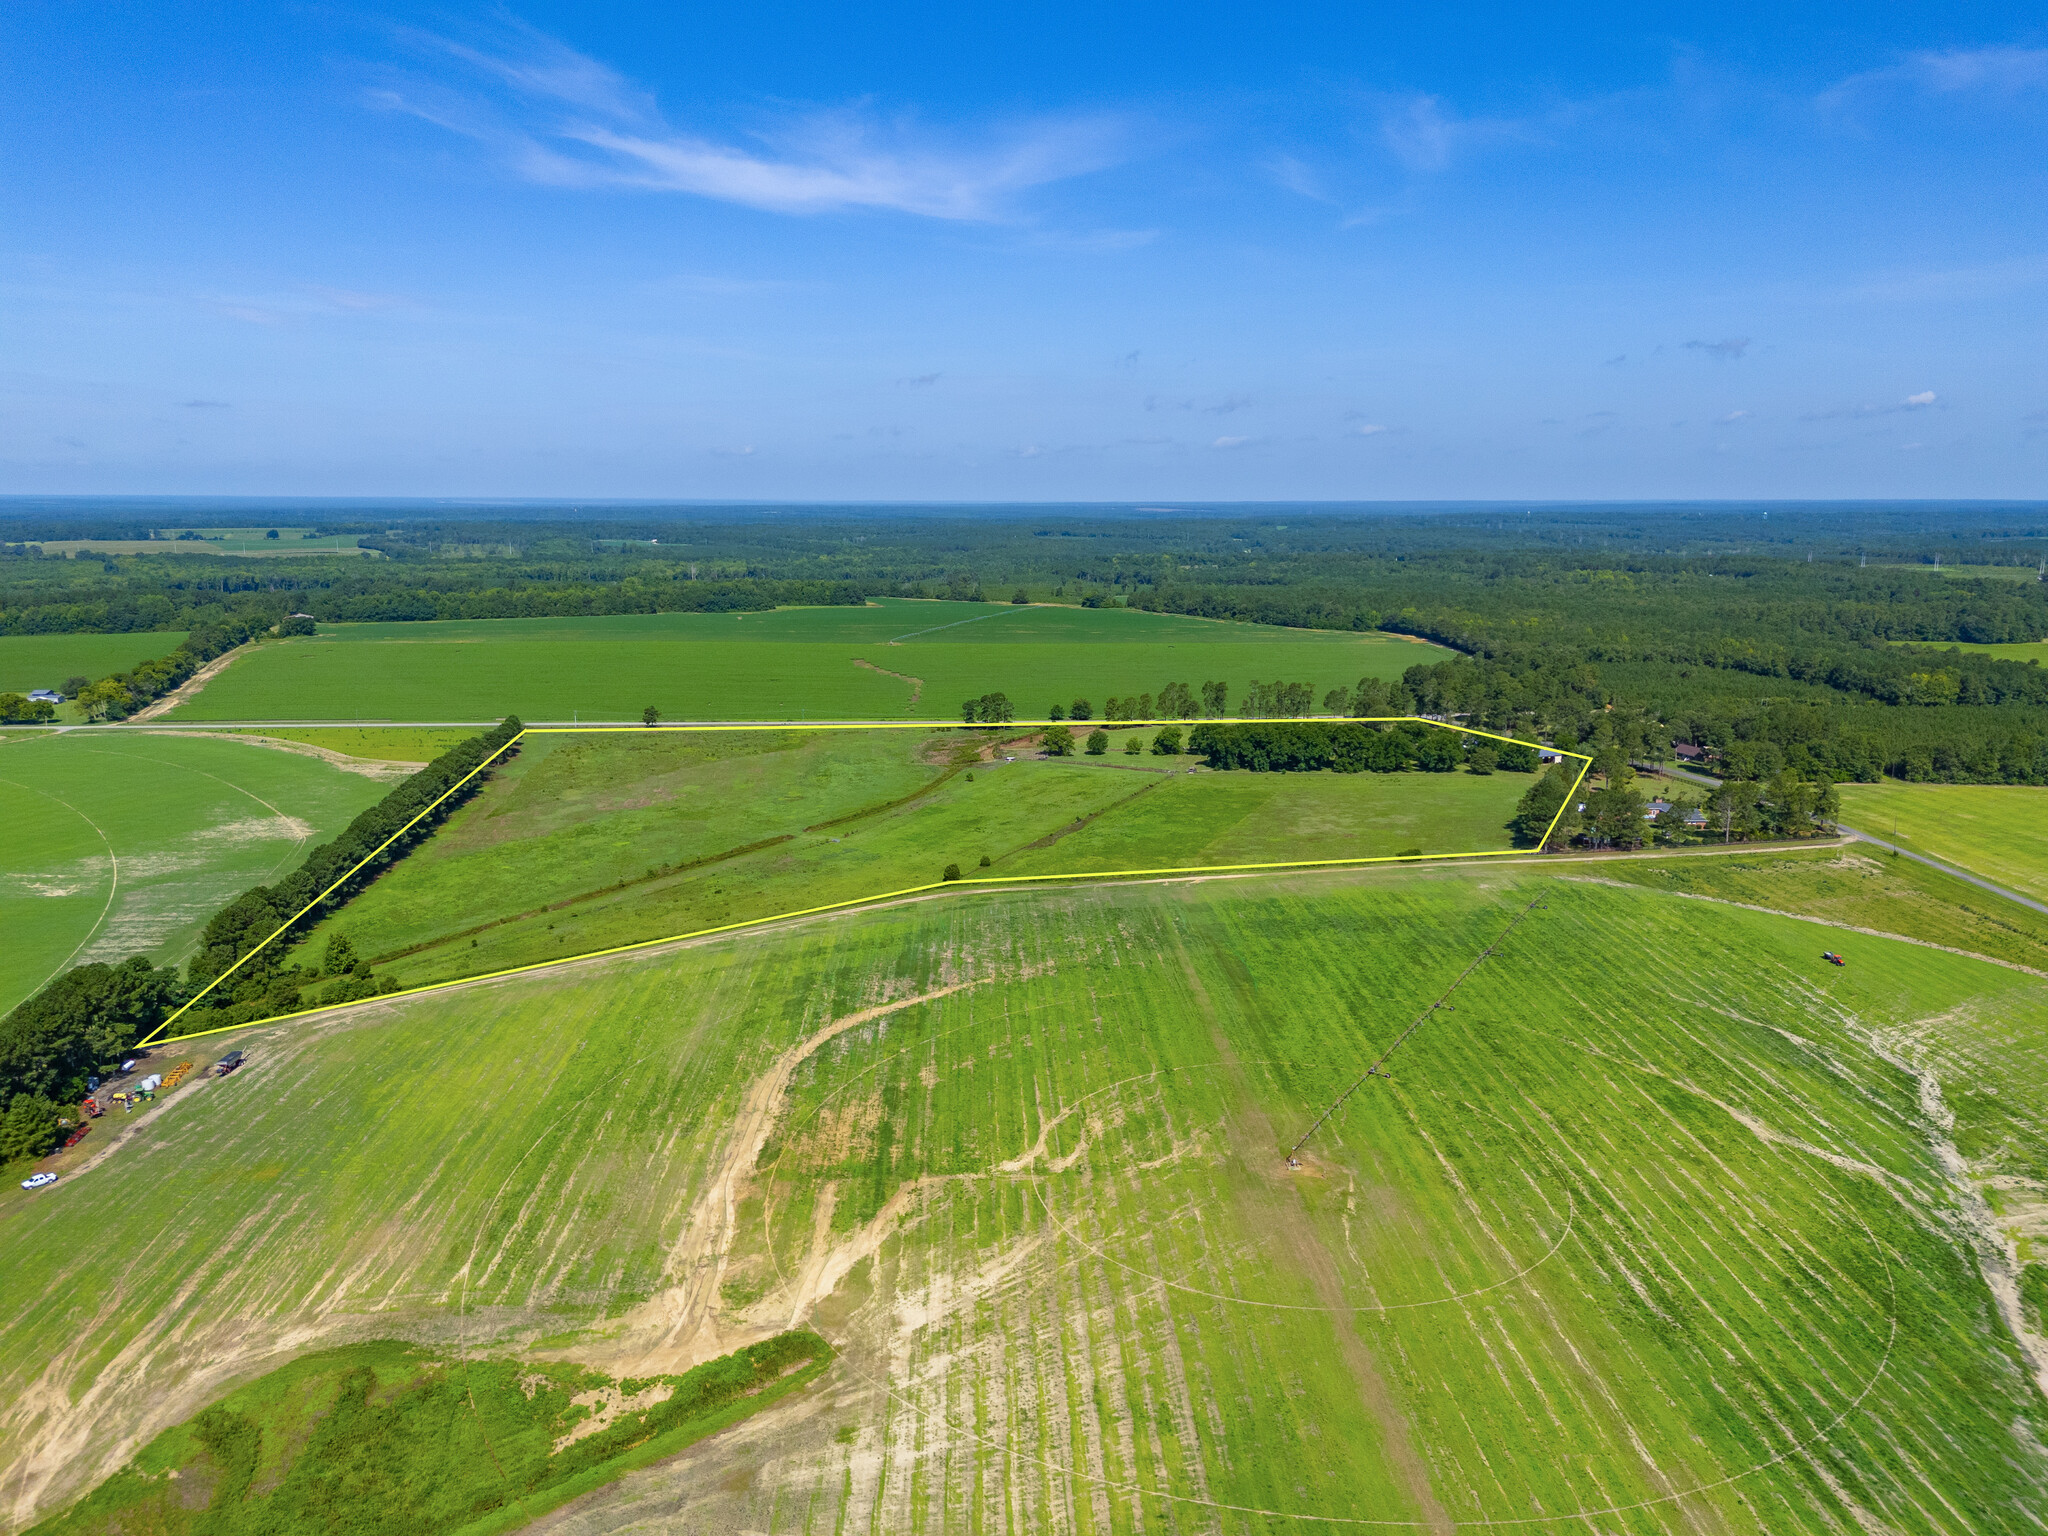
[(1615, 1230)]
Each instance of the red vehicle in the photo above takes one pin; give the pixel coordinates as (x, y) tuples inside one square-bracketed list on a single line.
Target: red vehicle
[(1832, 958), (90, 1109)]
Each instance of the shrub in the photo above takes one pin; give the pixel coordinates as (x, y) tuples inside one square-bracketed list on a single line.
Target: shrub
[(1098, 742), (952, 872), (1167, 742)]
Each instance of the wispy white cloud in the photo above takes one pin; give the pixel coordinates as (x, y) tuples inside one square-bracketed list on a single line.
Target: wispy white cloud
[(1984, 280), (1726, 350), (1230, 442), (1999, 70), (560, 118), (310, 302), (1425, 136), (1922, 401), (1368, 429)]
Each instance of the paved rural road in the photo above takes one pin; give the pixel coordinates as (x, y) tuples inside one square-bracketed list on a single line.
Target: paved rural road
[(1946, 869), (1919, 858)]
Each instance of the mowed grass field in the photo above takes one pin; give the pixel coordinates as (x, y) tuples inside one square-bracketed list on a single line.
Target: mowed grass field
[(584, 842), (378, 743), (894, 659), (1999, 831), (46, 661), (1653, 1231), (118, 845), (2019, 650)]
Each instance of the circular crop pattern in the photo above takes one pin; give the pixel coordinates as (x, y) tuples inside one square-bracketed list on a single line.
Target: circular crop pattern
[(1145, 1166)]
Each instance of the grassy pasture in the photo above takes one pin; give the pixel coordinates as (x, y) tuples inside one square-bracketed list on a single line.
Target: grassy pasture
[(45, 661), (824, 663), (215, 541), (2018, 650), (585, 842), (1654, 1211), (119, 844), (1999, 831), (382, 744)]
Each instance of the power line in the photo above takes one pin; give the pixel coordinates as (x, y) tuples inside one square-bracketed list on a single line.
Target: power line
[(1375, 1070)]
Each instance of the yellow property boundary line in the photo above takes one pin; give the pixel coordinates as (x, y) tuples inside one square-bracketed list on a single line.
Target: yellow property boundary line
[(156, 1037)]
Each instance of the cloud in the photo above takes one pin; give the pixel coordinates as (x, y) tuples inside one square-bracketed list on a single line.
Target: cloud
[(1229, 404), (1615, 361), (1988, 279), (1996, 70), (205, 405), (1230, 442), (1297, 178), (921, 381), (1731, 418), (1368, 429), (1728, 349), (721, 287), (560, 118), (1425, 137), (1920, 402)]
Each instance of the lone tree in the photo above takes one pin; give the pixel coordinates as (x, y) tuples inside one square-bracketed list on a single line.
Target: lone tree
[(1098, 742), (1081, 710), (1020, 596), (649, 715), (952, 872), (1057, 740), (1133, 746), (1167, 742), (1057, 712)]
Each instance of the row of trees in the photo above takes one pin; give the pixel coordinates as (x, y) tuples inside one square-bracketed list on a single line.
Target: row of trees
[(1615, 813), (1370, 697), (85, 1019), (1350, 747), (1058, 741)]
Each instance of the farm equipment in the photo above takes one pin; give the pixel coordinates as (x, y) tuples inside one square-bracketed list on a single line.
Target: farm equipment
[(1832, 958), (227, 1064), (176, 1075), (89, 1110), (74, 1138)]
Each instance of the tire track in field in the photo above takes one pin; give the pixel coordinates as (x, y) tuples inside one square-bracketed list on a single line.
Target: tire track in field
[(113, 887)]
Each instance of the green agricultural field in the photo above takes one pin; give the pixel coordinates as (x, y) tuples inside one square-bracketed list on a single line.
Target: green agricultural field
[(1661, 1226), (118, 844), (586, 842), (377, 743), (1999, 831), (45, 661), (889, 660), (2019, 650), (215, 541), (1859, 887)]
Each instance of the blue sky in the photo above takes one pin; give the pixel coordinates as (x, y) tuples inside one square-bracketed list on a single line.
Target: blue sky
[(1024, 252)]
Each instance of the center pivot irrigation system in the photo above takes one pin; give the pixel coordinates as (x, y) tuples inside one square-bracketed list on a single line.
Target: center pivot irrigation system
[(1379, 1065), (158, 1036)]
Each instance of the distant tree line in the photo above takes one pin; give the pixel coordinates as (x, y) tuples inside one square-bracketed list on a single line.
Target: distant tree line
[(1768, 641)]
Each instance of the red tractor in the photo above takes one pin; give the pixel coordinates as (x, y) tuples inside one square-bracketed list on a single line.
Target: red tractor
[(1832, 958)]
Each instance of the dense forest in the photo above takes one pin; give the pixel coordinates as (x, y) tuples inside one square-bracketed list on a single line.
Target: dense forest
[(1817, 638)]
